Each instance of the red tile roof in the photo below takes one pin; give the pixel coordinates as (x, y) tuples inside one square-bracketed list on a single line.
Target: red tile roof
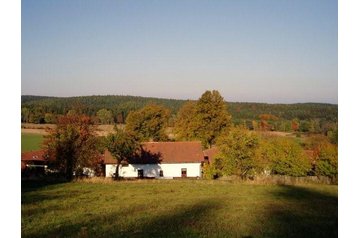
[(37, 155), (210, 153), (108, 158), (165, 152)]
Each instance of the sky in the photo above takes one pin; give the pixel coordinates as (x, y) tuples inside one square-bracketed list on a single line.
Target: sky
[(273, 51)]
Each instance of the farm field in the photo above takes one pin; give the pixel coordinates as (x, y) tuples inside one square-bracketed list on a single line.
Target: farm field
[(30, 141), (177, 208), (40, 129)]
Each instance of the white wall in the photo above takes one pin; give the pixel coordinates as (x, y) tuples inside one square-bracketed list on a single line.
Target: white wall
[(152, 170)]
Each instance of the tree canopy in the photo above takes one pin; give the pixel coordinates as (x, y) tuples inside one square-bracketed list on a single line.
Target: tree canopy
[(105, 116), (72, 145), (239, 153), (122, 145), (185, 124), (205, 120), (148, 123)]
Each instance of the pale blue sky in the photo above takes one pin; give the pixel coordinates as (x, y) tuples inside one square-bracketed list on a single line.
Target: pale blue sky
[(275, 51)]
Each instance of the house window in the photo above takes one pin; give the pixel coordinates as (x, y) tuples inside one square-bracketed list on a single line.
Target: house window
[(140, 173), (183, 172), (161, 173)]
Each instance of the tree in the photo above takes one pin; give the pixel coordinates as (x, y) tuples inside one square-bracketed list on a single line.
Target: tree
[(25, 114), (295, 125), (105, 116), (185, 124), (122, 145), (213, 117), (37, 115), (204, 120), (304, 126), (50, 118), (72, 145), (148, 123), (239, 153)]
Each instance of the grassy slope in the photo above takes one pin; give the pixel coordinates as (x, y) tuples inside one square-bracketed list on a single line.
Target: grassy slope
[(30, 142), (178, 209)]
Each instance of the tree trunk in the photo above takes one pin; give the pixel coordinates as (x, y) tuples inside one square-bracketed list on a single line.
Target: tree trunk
[(119, 166), (117, 171), (69, 169)]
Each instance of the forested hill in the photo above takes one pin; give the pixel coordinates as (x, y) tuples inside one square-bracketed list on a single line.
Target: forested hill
[(124, 104)]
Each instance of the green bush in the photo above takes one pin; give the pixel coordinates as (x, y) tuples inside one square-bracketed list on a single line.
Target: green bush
[(287, 157), (327, 160)]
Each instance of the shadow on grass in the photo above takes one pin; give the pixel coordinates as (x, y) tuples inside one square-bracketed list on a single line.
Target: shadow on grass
[(185, 223), (34, 185), (288, 211), (28, 186), (307, 213)]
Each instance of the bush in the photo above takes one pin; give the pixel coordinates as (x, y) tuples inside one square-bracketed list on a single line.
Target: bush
[(287, 157), (327, 160)]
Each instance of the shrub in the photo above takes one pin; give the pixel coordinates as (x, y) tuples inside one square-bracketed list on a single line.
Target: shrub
[(327, 160), (287, 157)]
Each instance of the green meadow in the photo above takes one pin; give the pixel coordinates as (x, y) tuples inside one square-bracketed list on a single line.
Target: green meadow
[(30, 142), (177, 208)]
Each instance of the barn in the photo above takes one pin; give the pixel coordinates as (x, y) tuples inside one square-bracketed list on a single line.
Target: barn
[(160, 160)]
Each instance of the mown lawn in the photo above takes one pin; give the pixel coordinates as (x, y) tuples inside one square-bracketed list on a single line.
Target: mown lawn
[(30, 142), (177, 208)]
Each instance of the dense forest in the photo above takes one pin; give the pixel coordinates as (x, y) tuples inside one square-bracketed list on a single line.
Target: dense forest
[(41, 109)]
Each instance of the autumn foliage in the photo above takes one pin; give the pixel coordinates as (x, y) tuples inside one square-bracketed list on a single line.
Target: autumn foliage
[(72, 145)]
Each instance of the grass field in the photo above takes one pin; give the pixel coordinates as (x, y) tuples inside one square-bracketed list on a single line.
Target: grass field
[(189, 208), (30, 142), (31, 128)]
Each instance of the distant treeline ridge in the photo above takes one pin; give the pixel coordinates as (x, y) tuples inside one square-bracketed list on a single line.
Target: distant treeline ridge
[(42, 109)]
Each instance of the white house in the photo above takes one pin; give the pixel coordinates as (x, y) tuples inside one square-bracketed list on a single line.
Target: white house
[(160, 159)]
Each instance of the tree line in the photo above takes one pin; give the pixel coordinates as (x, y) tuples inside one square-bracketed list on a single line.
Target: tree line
[(310, 117)]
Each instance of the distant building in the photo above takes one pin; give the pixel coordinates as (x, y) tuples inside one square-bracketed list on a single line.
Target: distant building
[(160, 160), (33, 162)]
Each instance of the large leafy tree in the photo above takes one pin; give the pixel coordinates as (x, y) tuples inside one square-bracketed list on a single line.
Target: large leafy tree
[(239, 153), (122, 145), (206, 119), (72, 145), (148, 123), (213, 116), (186, 123)]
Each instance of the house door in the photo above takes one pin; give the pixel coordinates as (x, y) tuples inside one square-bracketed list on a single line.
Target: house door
[(183, 172), (140, 173)]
